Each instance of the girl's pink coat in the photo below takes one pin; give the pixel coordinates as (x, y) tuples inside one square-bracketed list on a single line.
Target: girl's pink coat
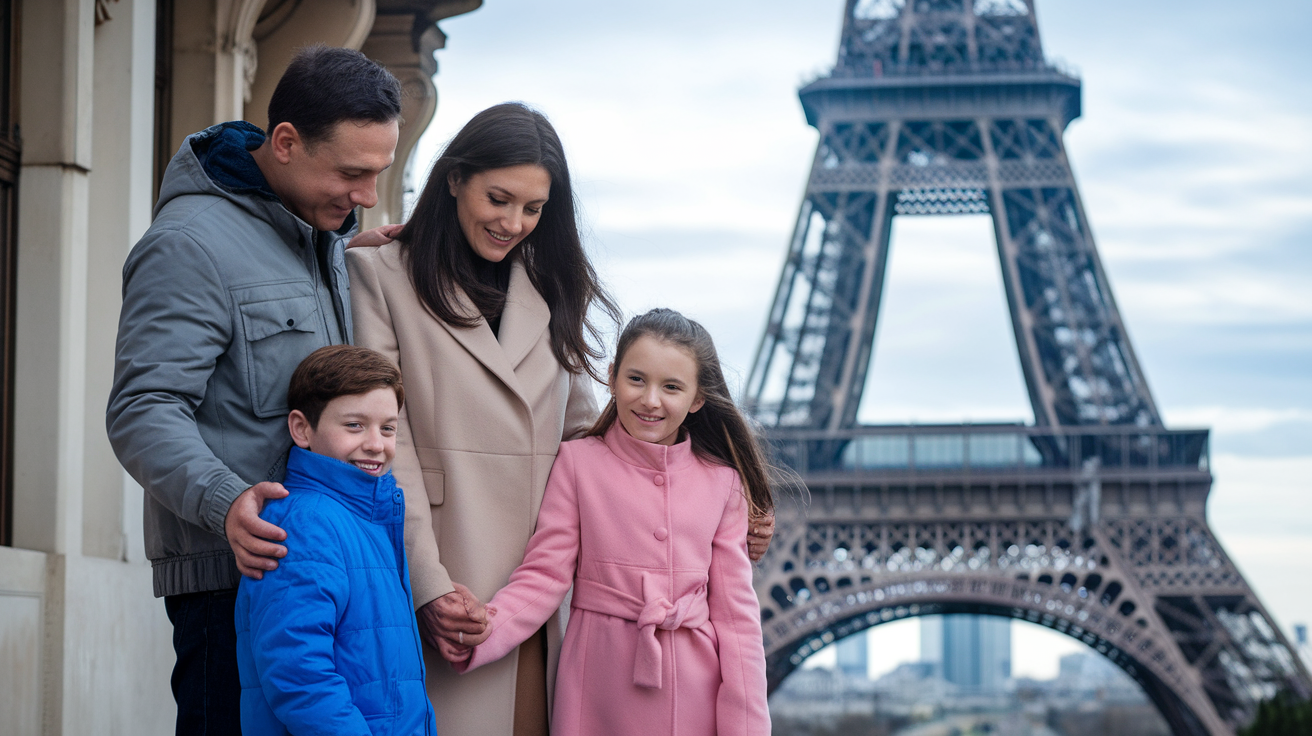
[(622, 510)]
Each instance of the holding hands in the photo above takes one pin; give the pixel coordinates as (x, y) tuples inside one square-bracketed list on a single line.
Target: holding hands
[(455, 623)]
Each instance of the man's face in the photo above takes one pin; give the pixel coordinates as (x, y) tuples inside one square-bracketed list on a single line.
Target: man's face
[(323, 181)]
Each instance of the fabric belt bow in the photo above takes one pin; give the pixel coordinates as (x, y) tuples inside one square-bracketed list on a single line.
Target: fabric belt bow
[(654, 612)]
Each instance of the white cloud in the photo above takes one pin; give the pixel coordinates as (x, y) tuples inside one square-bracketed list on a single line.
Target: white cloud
[(1261, 511), (1278, 567), (1220, 297), (1252, 495), (1235, 419)]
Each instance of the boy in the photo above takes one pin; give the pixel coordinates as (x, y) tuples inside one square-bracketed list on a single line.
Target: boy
[(327, 643)]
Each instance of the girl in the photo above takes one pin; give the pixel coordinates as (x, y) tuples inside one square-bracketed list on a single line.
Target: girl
[(646, 518)]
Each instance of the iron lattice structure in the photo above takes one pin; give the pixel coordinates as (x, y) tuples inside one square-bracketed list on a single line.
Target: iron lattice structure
[(1093, 521)]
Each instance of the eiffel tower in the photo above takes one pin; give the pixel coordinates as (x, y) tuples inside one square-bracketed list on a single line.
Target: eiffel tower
[(1092, 521)]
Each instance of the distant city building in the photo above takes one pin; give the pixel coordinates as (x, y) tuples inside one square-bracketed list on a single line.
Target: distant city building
[(972, 652), (853, 655), (1082, 671), (1301, 645), (1090, 696)]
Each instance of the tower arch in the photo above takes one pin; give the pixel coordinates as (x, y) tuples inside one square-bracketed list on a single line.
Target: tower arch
[(1164, 682)]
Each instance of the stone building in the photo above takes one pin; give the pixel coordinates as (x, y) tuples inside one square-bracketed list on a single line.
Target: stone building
[(95, 96)]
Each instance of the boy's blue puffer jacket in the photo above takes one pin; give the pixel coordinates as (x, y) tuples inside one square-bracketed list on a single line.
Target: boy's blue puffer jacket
[(327, 643)]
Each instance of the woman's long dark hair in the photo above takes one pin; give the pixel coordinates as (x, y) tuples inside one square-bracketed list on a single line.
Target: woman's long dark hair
[(441, 259), (719, 431)]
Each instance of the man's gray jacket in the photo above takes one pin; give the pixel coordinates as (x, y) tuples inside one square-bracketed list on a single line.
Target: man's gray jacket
[(223, 297)]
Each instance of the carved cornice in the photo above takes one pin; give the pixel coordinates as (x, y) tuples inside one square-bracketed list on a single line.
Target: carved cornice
[(102, 11), (403, 38), (238, 38)]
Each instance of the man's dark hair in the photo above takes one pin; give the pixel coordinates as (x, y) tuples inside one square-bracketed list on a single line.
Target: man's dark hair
[(325, 85), (339, 370)]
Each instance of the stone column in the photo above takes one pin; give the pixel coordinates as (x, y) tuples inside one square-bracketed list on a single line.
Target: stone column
[(403, 40)]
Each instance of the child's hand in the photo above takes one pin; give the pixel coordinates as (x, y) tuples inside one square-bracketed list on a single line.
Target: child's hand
[(473, 606), (478, 613)]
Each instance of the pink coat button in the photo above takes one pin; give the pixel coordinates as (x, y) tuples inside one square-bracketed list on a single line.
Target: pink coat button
[(661, 534), (659, 480)]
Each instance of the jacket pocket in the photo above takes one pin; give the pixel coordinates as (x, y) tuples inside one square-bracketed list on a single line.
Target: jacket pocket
[(435, 484), (279, 334), (434, 477)]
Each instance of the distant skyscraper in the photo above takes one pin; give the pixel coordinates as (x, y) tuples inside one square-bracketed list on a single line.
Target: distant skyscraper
[(973, 652), (1301, 645), (931, 643), (853, 659)]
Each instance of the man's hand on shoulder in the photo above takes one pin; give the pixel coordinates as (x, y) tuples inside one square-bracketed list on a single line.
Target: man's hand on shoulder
[(250, 535), (381, 235), (760, 530)]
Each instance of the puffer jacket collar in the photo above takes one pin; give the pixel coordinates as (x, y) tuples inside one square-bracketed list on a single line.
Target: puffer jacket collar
[(372, 498)]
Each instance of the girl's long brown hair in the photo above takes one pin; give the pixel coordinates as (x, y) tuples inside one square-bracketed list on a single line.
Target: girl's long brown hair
[(719, 431), (440, 258)]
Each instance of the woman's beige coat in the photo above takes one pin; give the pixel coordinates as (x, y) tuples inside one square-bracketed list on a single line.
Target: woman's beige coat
[(479, 431)]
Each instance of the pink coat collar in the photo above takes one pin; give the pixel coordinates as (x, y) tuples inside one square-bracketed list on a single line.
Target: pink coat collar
[(650, 455)]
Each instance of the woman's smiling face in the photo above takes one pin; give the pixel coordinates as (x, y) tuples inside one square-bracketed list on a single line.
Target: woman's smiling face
[(498, 208)]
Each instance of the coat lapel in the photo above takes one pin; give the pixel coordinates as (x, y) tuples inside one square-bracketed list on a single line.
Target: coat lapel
[(483, 345), (526, 316)]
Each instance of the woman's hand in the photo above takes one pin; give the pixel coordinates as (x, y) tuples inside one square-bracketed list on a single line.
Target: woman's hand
[(454, 624), (760, 529), (381, 235)]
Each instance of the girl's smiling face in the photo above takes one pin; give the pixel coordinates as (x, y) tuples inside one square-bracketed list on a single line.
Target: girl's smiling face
[(498, 208), (655, 388)]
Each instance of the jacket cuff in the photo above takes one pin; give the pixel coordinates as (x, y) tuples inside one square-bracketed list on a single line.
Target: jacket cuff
[(214, 509)]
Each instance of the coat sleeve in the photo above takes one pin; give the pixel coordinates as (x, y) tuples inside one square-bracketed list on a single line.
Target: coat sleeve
[(581, 407), (293, 619), (740, 708), (372, 320), (538, 586), (174, 326)]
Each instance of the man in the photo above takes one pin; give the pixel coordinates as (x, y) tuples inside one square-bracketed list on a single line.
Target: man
[(240, 277)]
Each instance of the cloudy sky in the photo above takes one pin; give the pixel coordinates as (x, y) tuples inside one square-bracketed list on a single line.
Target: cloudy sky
[(690, 152)]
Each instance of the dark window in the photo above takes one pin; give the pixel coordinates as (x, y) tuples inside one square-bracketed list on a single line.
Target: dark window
[(163, 88), (10, 148)]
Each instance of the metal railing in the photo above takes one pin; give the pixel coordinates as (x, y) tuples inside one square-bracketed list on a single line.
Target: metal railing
[(988, 448), (868, 68)]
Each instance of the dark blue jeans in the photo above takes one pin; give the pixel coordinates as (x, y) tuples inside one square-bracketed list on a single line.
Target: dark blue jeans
[(205, 682)]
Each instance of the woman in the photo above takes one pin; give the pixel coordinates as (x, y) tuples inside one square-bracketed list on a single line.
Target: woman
[(490, 329)]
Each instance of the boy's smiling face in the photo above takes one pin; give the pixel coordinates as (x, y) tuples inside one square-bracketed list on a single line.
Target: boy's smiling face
[(359, 429)]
